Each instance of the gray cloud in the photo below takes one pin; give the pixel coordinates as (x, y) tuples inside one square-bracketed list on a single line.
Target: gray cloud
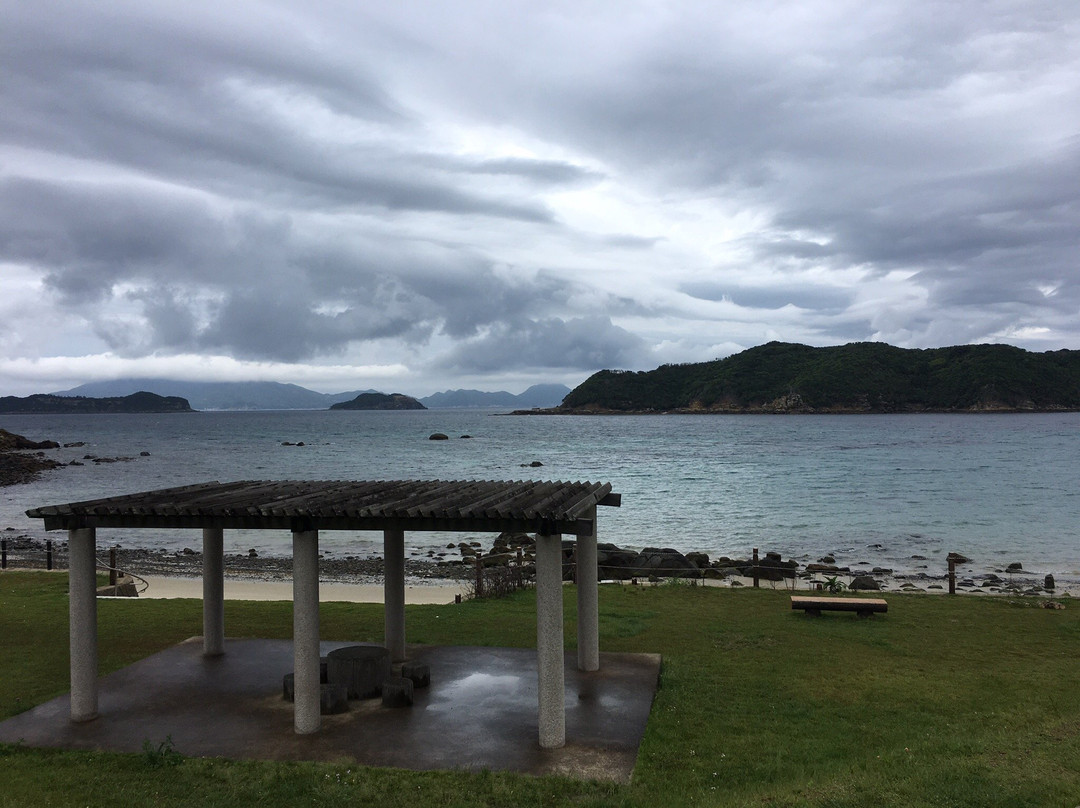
[(576, 344), (527, 190)]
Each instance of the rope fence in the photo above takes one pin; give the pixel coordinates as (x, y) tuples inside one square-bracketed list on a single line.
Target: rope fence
[(506, 569)]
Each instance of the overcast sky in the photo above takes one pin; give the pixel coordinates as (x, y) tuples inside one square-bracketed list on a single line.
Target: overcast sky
[(416, 196)]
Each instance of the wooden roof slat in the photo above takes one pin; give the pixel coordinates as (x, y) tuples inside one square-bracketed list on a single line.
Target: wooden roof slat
[(584, 500), (532, 492), (541, 507), (342, 505), (387, 492), (438, 498), (487, 501)]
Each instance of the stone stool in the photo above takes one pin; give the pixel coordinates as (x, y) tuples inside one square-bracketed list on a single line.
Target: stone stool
[(397, 691), (417, 673), (361, 668), (333, 699)]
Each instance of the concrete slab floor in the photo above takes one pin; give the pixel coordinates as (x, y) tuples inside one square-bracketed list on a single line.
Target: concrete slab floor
[(480, 712)]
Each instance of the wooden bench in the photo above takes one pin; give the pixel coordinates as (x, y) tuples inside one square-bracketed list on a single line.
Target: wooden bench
[(864, 607)]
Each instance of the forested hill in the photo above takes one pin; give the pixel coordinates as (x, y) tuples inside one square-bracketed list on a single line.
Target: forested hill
[(860, 377), (53, 405)]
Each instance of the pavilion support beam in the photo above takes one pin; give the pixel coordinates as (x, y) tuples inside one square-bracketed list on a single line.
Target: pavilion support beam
[(213, 552), (82, 623), (394, 593), (307, 717), (588, 602), (549, 642)]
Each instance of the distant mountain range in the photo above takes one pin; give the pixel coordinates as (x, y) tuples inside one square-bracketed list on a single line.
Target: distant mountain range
[(860, 377), (539, 395), (278, 396)]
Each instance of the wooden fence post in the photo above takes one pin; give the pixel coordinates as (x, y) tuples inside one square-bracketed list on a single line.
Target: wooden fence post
[(952, 576), (756, 579), (3, 554), (112, 566), (48, 554)]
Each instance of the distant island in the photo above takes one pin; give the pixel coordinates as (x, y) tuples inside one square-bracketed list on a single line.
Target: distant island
[(279, 396), (60, 405), (862, 377), (380, 401)]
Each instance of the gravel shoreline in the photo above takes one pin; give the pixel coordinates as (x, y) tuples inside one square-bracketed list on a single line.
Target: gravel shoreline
[(27, 552)]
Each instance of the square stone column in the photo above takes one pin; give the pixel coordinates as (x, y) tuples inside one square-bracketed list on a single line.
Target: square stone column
[(549, 642), (588, 616), (213, 553), (307, 717), (394, 593), (82, 622)]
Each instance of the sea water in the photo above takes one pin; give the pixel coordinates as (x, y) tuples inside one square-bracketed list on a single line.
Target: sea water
[(894, 491)]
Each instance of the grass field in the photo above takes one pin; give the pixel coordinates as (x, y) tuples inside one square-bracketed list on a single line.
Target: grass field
[(964, 701)]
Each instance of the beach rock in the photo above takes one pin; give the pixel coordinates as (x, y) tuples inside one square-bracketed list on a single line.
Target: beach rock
[(957, 558), (10, 441), (822, 567), (770, 568), (700, 560), (665, 562), (1016, 566), (438, 436), (1048, 583), (614, 563), (864, 582), (826, 559)]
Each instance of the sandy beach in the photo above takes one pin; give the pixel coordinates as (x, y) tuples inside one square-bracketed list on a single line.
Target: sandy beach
[(165, 586)]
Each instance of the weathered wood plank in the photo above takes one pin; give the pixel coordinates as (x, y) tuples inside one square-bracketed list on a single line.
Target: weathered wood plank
[(864, 607)]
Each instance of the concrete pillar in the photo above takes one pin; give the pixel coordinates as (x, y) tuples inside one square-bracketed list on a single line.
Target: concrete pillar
[(549, 642), (307, 717), (82, 623), (394, 593), (213, 591), (588, 608)]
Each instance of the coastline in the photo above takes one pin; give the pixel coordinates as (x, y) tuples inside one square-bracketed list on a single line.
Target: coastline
[(177, 574)]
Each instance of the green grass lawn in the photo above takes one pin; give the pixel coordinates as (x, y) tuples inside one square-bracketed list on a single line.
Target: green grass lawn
[(965, 701)]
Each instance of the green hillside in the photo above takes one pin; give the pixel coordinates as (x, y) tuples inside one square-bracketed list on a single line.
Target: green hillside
[(60, 405), (859, 377), (380, 401)]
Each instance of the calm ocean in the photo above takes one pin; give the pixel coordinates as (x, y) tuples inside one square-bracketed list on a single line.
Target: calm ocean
[(875, 489)]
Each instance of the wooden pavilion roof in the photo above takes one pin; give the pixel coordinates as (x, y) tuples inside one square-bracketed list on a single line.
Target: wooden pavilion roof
[(434, 505)]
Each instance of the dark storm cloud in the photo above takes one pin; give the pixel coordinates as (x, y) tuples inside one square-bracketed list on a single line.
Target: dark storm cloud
[(816, 298), (511, 187), (218, 113)]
